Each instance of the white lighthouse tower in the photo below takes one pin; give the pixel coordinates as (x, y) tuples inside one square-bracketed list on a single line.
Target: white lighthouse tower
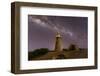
[(58, 43)]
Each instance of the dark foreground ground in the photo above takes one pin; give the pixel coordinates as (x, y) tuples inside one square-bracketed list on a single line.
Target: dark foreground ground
[(69, 54)]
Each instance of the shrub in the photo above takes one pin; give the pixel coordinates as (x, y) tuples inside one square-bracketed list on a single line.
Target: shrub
[(61, 56), (38, 52), (65, 49)]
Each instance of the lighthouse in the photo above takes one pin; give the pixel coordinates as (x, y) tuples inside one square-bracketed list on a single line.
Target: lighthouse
[(58, 42)]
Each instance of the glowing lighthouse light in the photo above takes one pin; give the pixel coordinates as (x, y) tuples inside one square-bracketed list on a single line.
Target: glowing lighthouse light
[(58, 34)]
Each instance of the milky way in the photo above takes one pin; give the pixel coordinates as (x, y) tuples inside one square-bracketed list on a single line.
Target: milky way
[(42, 31)]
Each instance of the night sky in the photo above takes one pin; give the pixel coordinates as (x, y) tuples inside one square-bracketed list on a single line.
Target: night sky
[(42, 31)]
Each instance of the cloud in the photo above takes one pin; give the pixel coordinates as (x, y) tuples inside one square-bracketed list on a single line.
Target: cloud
[(55, 28), (38, 21), (66, 31), (43, 21)]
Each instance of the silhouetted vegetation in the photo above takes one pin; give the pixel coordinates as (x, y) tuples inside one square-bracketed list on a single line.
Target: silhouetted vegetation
[(38, 52), (61, 56), (65, 49), (67, 53)]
